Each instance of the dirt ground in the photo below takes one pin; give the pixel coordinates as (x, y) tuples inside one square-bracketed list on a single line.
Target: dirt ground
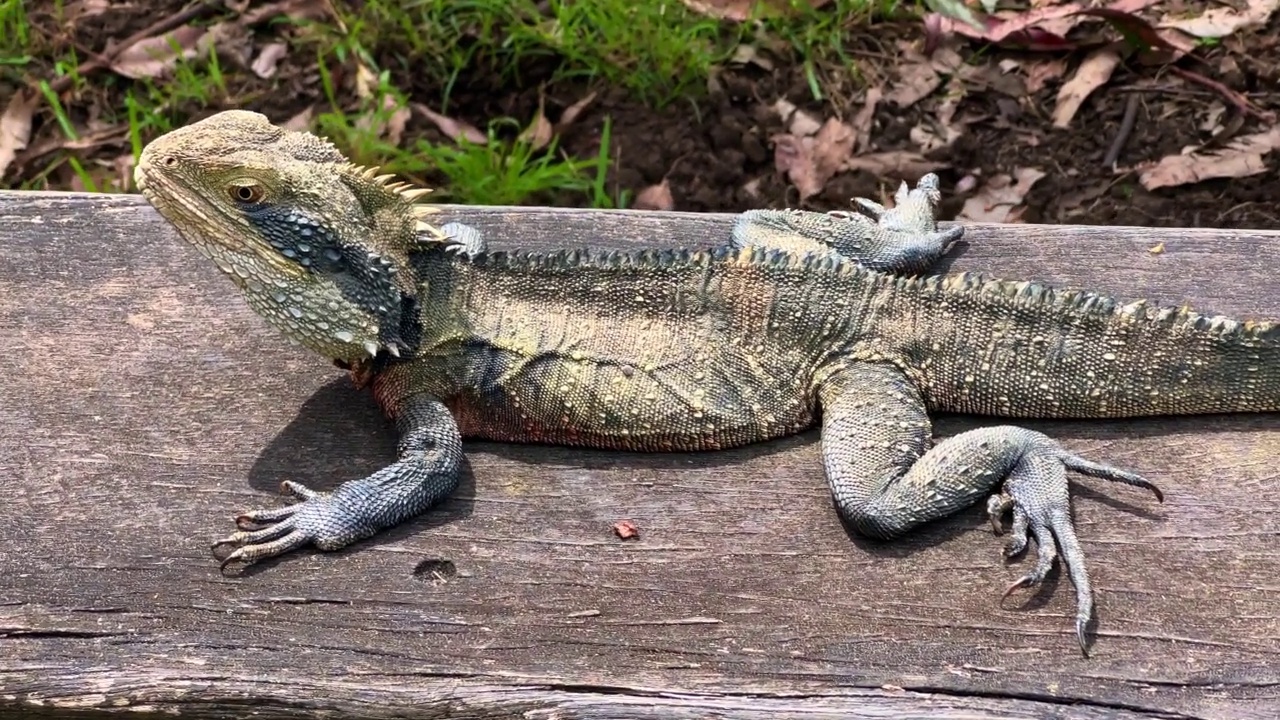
[(732, 153)]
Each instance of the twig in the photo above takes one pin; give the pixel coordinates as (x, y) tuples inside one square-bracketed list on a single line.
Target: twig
[(1126, 129), (1239, 101), (159, 27)]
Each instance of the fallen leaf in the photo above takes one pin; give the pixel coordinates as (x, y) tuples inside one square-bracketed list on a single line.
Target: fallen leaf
[(1041, 28), (539, 132), (941, 130), (264, 66), (301, 121), (809, 162), (864, 118), (655, 197), (799, 122), (1041, 73), (1156, 249), (453, 129), (293, 9), (895, 164), (832, 147), (1241, 157), (746, 54), (741, 10), (15, 126), (572, 112), (958, 11), (85, 9), (123, 165), (998, 199), (366, 81), (1136, 31), (392, 128), (915, 81), (153, 56), (1222, 21), (1092, 74)]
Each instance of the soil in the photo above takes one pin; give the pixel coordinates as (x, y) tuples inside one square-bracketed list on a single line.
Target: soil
[(719, 155)]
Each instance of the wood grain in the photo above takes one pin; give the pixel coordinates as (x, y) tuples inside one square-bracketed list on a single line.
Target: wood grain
[(143, 405)]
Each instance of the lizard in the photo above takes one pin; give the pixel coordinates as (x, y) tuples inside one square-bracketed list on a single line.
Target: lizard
[(798, 319)]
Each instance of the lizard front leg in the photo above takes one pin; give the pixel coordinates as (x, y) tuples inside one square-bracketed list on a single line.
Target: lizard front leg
[(903, 239), (426, 471), (886, 480)]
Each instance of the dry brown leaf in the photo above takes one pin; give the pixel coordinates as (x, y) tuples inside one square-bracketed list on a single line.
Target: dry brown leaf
[(864, 118), (942, 130), (366, 81), (539, 132), (895, 164), (1039, 74), (1057, 20), (394, 129), (123, 165), (301, 121), (293, 9), (453, 129), (1222, 21), (264, 66), (82, 9), (832, 148), (572, 112), (154, 56), (916, 80), (739, 10), (655, 197), (998, 199), (809, 162), (792, 157), (15, 126), (1241, 157), (1092, 74)]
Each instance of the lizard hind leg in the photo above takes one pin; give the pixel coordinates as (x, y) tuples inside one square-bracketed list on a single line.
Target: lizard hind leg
[(885, 479), (901, 239)]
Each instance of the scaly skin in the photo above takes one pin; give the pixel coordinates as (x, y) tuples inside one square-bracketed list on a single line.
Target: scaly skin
[(686, 349)]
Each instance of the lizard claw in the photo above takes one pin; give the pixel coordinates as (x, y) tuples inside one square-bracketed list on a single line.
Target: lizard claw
[(286, 528), (1037, 493)]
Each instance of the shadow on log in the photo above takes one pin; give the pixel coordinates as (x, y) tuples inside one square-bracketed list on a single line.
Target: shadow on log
[(143, 405)]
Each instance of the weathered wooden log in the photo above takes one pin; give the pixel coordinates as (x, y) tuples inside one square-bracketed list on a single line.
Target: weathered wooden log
[(143, 405)]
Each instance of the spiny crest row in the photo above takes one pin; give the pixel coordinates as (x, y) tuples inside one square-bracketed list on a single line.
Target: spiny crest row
[(1085, 302), (663, 258), (411, 194)]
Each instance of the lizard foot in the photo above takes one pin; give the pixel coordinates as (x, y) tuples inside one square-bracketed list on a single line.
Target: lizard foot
[(266, 533), (1036, 490), (905, 238)]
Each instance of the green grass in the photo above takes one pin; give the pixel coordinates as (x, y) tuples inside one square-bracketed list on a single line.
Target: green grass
[(657, 50), (15, 33), (654, 48)]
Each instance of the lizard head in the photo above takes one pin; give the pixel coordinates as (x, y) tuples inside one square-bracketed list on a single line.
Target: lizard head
[(318, 246)]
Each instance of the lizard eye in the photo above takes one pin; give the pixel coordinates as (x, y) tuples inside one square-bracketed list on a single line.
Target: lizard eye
[(246, 193)]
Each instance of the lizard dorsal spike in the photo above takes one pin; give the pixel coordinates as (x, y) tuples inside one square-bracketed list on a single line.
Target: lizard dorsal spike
[(413, 194)]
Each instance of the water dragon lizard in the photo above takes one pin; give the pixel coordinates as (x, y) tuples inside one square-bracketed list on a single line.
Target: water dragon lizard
[(798, 318)]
